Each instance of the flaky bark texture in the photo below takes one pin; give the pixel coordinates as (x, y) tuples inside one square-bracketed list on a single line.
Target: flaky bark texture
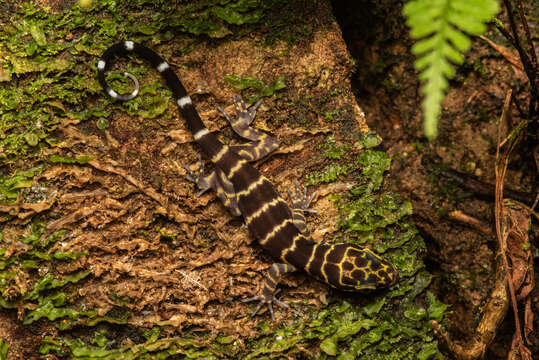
[(100, 227)]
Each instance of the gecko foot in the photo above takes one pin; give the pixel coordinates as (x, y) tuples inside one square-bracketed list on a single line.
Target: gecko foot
[(202, 182), (269, 300), (245, 114), (301, 201)]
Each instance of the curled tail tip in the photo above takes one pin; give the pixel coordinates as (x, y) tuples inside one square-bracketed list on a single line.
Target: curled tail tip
[(136, 83), (113, 94), (102, 67)]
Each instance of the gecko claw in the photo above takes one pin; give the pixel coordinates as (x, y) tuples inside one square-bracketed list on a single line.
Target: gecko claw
[(191, 176), (252, 109), (199, 194), (222, 111)]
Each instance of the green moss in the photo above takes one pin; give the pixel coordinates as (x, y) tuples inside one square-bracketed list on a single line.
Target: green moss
[(10, 187), (45, 297), (331, 149), (4, 348), (69, 160), (153, 348), (370, 140), (260, 90), (329, 174), (48, 282), (436, 309), (345, 331), (61, 307), (50, 307), (242, 12), (342, 331), (333, 115), (373, 166)]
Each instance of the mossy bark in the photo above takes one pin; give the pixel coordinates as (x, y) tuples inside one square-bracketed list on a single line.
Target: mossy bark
[(104, 229)]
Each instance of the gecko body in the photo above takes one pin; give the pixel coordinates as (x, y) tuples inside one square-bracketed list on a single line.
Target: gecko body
[(279, 228)]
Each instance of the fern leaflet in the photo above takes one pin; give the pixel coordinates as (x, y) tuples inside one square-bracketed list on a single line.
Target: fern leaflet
[(442, 26)]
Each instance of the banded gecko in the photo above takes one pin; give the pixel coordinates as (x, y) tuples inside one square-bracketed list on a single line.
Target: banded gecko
[(280, 229)]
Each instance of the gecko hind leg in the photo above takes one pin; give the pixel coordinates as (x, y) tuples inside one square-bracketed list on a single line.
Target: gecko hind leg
[(300, 205), (261, 144), (217, 181), (268, 293)]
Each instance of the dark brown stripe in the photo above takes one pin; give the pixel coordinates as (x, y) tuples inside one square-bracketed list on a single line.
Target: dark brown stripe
[(263, 211), (279, 238), (332, 272), (315, 267), (299, 252), (336, 255), (253, 196)]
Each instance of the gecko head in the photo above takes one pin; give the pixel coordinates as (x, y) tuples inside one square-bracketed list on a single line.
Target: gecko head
[(361, 269)]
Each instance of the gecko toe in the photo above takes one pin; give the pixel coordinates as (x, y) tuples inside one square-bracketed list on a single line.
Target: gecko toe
[(301, 200), (191, 176)]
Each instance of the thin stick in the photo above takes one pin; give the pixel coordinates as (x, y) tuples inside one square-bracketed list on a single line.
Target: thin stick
[(534, 75), (528, 67), (528, 34), (498, 210)]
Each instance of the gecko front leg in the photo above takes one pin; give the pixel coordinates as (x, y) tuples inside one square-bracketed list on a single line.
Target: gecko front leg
[(300, 205), (261, 144), (217, 181)]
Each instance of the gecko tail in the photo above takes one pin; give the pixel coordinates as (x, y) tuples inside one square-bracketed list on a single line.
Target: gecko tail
[(208, 141)]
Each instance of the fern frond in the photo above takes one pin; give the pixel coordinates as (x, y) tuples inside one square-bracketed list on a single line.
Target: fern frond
[(442, 26)]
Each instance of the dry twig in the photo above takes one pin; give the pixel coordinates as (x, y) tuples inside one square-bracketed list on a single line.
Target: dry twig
[(477, 224)]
